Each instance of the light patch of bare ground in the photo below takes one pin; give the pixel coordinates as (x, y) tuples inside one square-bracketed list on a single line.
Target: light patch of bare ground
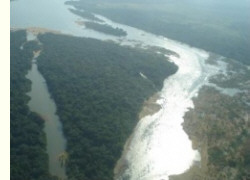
[(122, 164), (150, 106), (79, 22), (38, 30), (36, 53)]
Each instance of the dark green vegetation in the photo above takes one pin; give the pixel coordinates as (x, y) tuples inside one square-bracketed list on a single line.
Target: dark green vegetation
[(104, 28), (163, 51), (221, 27), (28, 158), (99, 93)]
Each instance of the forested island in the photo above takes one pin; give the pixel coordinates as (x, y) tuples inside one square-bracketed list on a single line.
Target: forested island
[(28, 157), (94, 23), (99, 93), (104, 28)]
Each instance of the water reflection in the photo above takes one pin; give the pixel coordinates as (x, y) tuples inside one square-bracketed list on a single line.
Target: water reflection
[(42, 104)]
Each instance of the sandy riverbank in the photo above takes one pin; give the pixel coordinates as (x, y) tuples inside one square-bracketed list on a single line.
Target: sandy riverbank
[(150, 107), (36, 30)]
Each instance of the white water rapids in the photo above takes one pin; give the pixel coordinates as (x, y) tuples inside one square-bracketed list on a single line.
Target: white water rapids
[(158, 147)]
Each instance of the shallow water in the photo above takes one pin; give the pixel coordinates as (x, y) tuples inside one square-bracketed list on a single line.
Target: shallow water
[(159, 147)]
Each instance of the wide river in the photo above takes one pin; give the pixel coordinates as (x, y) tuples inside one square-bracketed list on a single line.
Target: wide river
[(158, 146)]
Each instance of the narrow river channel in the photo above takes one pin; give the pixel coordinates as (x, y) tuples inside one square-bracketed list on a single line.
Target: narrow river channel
[(42, 104)]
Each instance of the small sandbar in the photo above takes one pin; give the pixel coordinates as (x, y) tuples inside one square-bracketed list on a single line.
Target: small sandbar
[(36, 53), (150, 106), (37, 30), (122, 164)]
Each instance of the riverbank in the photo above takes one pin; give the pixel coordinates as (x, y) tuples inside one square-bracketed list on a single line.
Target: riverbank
[(28, 156), (150, 106), (37, 30), (150, 152), (42, 104), (219, 128)]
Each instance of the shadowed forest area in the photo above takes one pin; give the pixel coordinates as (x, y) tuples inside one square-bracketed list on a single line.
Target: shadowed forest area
[(105, 29)]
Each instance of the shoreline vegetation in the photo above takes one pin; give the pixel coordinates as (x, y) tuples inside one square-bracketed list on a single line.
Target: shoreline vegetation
[(94, 23), (150, 106), (28, 156), (225, 29), (219, 127), (99, 92)]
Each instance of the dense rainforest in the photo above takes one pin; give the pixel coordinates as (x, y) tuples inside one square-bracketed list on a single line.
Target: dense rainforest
[(28, 157), (99, 92)]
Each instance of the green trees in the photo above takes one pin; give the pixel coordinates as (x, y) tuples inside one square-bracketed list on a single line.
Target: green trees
[(28, 158), (99, 93)]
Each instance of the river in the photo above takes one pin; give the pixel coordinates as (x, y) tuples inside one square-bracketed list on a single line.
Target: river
[(158, 146), (42, 104)]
